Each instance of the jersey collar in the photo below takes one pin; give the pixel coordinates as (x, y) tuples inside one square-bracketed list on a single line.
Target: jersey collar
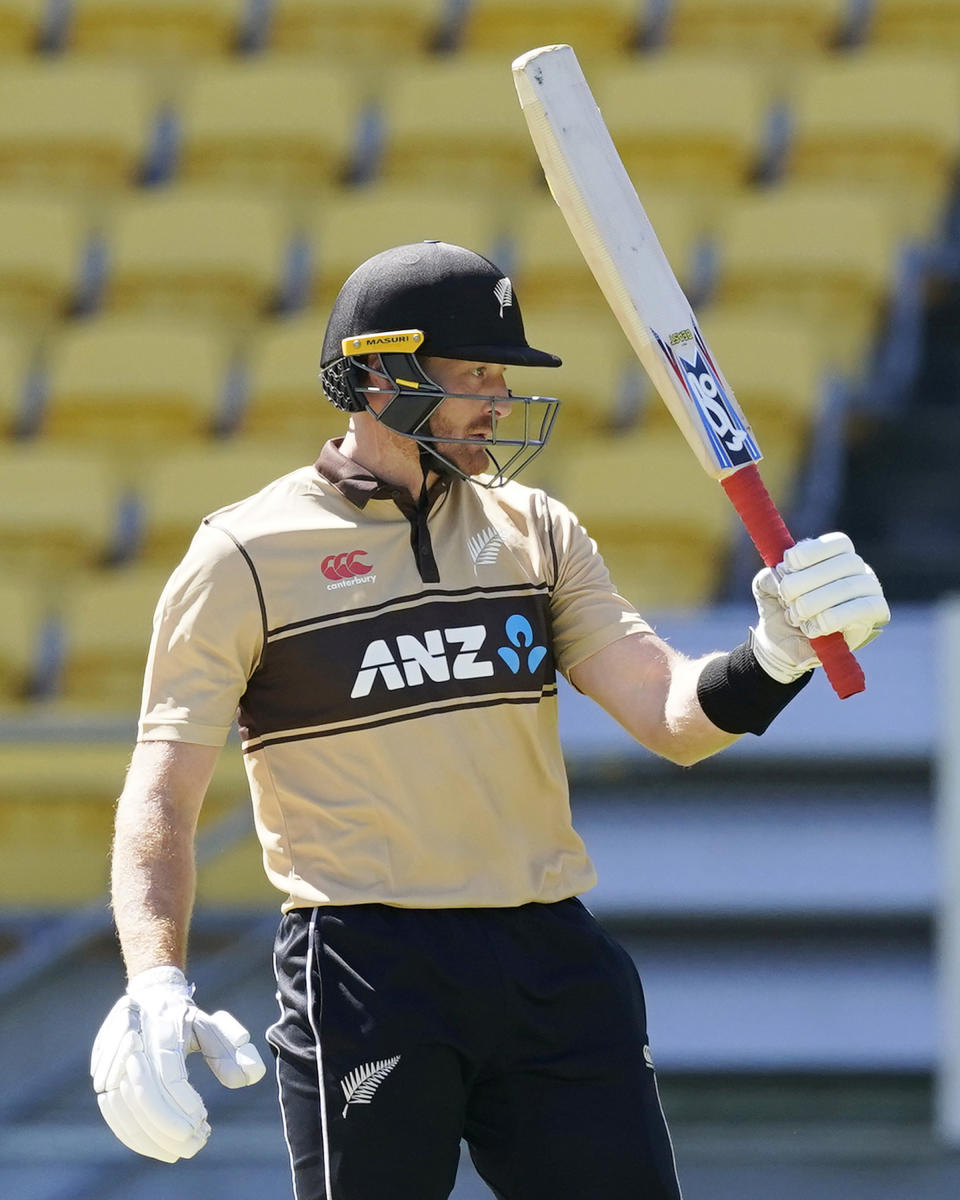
[(359, 486)]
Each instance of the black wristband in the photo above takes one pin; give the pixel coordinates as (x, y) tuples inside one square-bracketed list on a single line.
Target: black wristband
[(737, 694)]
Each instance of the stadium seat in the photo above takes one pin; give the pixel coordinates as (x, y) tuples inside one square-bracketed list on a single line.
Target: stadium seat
[(130, 381), (886, 119), (549, 269), (603, 27), (598, 383), (21, 25), (21, 617), (107, 620), (915, 24), (284, 399), (73, 124), (71, 787), (209, 253), (815, 253), (663, 526), (348, 228), (58, 508), (16, 358), (397, 28), (457, 120), (184, 486), (151, 29), (42, 246), (691, 118), (780, 27), (270, 123)]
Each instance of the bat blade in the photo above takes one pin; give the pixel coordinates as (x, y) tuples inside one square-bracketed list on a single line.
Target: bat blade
[(606, 218)]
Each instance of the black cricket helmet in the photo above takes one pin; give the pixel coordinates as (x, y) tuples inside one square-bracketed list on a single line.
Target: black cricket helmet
[(438, 300)]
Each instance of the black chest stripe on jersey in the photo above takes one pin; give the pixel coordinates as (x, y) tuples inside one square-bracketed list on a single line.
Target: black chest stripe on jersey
[(487, 648)]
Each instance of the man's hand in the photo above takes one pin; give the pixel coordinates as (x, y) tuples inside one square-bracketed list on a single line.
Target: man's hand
[(822, 586), (139, 1066)]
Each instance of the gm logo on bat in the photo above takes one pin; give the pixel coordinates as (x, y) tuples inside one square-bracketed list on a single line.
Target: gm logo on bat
[(731, 441)]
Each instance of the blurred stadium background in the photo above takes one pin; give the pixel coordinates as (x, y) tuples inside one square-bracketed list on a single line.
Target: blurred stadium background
[(184, 184)]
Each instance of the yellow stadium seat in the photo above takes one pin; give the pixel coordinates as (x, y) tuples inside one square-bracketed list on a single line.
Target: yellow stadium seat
[(396, 28), (904, 24), (549, 269), (184, 486), (21, 614), (691, 118), (71, 787), (885, 119), (661, 523), (155, 28), (598, 382), (270, 122), (131, 381), (756, 26), (42, 244), (58, 508), (73, 124), (602, 27), (285, 400), (21, 25), (107, 622), (456, 119), (211, 253), (349, 228), (814, 253), (16, 356)]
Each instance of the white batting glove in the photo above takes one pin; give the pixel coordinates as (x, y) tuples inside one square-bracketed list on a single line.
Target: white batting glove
[(822, 586), (139, 1065)]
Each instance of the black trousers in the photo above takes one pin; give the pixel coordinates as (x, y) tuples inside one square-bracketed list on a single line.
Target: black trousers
[(521, 1030)]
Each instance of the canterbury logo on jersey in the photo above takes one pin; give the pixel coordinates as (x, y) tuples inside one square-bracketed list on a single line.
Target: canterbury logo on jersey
[(400, 659), (348, 565)]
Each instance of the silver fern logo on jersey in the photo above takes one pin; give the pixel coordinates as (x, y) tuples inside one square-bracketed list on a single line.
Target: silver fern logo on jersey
[(359, 1087), (484, 548), (504, 294)]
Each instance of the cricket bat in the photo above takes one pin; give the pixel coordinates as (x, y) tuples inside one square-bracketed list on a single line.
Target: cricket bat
[(605, 216)]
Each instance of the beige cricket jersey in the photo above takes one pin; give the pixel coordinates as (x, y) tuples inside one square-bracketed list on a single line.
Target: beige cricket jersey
[(393, 675)]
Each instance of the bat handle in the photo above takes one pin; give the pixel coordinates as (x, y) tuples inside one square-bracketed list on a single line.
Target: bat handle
[(769, 534)]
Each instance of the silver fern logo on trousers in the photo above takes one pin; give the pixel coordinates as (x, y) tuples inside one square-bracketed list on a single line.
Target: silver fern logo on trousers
[(361, 1084), (484, 548), (504, 294)]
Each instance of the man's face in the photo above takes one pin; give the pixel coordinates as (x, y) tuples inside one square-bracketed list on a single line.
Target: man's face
[(458, 417)]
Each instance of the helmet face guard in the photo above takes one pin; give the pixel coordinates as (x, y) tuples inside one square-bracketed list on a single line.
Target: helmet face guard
[(412, 397)]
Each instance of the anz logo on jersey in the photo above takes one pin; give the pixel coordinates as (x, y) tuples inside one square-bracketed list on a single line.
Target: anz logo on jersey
[(446, 654), (401, 660)]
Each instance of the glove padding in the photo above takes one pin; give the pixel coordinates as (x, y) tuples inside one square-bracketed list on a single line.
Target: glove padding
[(139, 1066), (822, 586)]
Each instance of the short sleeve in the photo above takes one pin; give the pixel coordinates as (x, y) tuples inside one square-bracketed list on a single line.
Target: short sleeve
[(208, 634), (588, 613)]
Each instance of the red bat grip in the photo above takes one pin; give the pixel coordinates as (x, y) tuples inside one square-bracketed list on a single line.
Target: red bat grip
[(769, 534)]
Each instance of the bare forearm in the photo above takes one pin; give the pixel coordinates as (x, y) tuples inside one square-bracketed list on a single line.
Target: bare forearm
[(689, 735), (651, 689), (153, 885), (153, 872)]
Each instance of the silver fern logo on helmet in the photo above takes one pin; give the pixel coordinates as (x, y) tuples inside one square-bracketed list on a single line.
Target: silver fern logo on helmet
[(504, 294)]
